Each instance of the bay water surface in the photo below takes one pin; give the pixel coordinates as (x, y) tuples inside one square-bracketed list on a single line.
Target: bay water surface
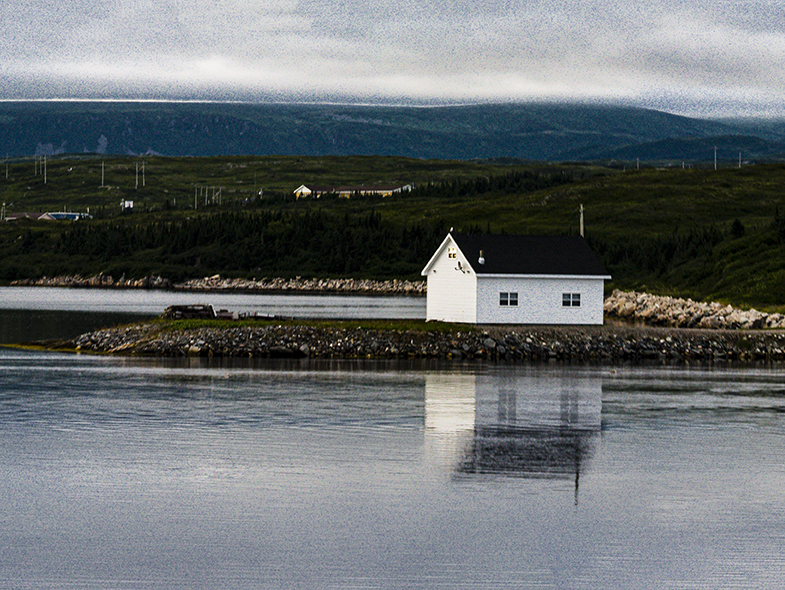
[(238, 474), (41, 313)]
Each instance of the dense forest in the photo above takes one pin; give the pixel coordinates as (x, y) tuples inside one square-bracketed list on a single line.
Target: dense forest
[(263, 243), (257, 239)]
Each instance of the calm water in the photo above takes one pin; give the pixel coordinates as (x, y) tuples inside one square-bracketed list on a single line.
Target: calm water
[(141, 473), (29, 313), (140, 301), (133, 473)]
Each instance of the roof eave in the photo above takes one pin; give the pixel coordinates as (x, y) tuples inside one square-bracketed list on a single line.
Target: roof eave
[(481, 275)]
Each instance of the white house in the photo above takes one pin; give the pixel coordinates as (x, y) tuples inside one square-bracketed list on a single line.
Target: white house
[(503, 279)]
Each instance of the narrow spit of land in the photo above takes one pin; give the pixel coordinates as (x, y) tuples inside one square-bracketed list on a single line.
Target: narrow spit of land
[(639, 327), (420, 340)]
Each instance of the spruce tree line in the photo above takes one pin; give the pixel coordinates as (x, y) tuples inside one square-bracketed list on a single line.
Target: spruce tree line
[(261, 243)]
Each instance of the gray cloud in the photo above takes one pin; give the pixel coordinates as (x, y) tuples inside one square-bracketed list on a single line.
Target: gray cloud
[(681, 56)]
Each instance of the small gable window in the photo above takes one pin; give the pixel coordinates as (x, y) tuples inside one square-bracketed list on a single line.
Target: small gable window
[(571, 299), (507, 299), (452, 252)]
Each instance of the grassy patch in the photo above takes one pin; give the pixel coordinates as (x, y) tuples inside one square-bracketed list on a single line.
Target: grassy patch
[(165, 325)]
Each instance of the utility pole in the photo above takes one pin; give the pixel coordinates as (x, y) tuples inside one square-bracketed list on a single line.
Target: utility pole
[(136, 186), (102, 174), (715, 157), (44, 169), (581, 219)]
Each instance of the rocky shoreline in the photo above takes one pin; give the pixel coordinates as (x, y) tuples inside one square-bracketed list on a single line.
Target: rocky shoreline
[(639, 327), (657, 310), (219, 283), (609, 343)]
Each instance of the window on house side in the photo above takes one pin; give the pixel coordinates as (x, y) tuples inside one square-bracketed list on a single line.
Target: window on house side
[(571, 299), (508, 299), (452, 252)]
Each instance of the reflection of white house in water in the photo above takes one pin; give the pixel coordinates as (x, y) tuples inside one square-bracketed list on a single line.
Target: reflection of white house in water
[(524, 423), (449, 415)]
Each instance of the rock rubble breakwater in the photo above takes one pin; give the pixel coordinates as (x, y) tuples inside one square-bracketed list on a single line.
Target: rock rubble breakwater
[(219, 283), (595, 343)]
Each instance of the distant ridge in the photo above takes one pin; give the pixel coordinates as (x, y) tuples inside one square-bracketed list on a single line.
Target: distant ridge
[(553, 132)]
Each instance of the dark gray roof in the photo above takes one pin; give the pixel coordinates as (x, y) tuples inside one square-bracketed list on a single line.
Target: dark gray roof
[(530, 255)]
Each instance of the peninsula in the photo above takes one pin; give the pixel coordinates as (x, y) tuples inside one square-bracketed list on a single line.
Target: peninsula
[(639, 327)]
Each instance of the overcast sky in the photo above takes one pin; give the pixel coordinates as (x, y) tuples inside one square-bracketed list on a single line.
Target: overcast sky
[(713, 57)]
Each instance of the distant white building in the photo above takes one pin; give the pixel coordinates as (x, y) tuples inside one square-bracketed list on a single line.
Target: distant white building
[(504, 279), (315, 191), (64, 216)]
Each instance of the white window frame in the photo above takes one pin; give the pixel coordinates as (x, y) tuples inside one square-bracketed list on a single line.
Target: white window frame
[(508, 299), (570, 299)]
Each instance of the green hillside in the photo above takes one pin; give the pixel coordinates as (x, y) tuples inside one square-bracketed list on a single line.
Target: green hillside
[(694, 232)]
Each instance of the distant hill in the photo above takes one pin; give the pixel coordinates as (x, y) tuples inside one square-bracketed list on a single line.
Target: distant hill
[(552, 132), (690, 149)]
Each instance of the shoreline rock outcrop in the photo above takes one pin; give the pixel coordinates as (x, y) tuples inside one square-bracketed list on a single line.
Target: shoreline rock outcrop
[(657, 310), (609, 343)]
